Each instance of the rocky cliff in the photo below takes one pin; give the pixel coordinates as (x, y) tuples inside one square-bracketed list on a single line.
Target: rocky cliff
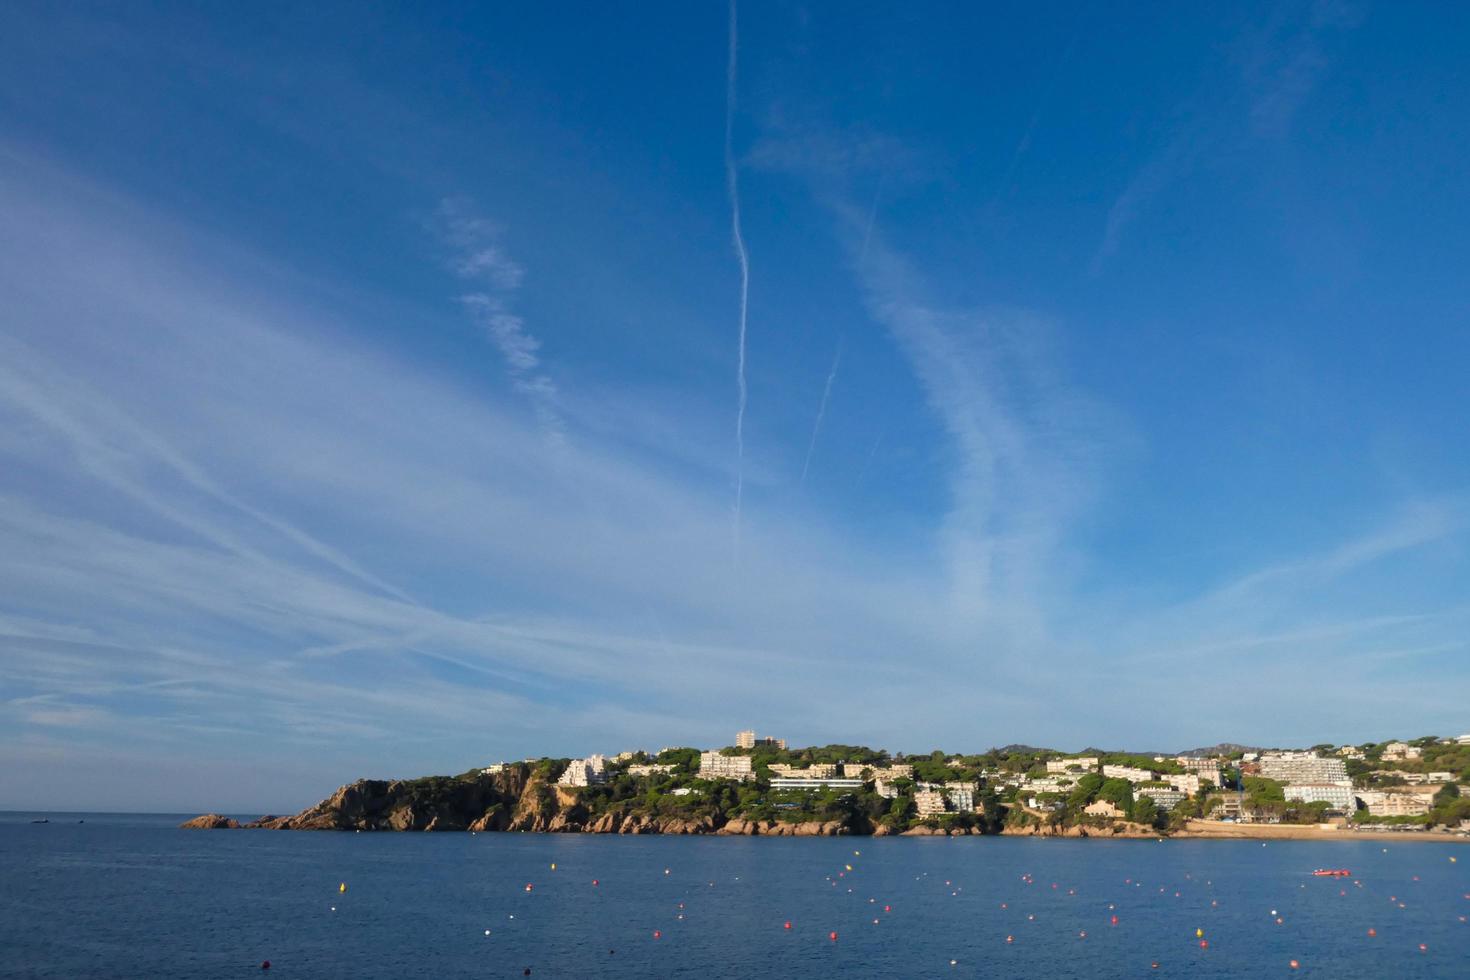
[(511, 800)]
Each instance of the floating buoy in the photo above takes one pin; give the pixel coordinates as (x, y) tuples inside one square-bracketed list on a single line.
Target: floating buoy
[(342, 887), (1082, 934), (1010, 939), (787, 925), (657, 934), (849, 868), (1154, 965), (953, 962), (528, 886), (1204, 944), (666, 870), (1199, 933), (487, 932), (888, 908), (1423, 948), (1113, 921), (1280, 921), (1372, 932), (875, 922), (266, 965), (594, 882), (832, 936), (1294, 964), (553, 865)]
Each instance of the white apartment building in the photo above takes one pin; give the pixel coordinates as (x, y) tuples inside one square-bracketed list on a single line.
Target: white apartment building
[(1333, 794), (1130, 773), (1208, 770), (1087, 763), (1382, 804), (898, 770), (1047, 784), (649, 769), (1350, 752), (745, 740), (1463, 739), (497, 767), (585, 772), (1165, 798), (817, 770), (816, 784), (1188, 783), (929, 802), (713, 765), (1303, 767)]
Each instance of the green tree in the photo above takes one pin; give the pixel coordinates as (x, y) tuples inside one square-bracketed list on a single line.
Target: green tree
[(1118, 792), (1144, 811)]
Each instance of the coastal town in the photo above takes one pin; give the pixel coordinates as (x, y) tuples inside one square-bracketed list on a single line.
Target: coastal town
[(1420, 784)]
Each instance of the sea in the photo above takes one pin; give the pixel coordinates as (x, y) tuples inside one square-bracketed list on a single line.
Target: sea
[(128, 895)]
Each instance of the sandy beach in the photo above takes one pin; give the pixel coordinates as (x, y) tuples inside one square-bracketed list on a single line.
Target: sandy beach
[(1266, 831)]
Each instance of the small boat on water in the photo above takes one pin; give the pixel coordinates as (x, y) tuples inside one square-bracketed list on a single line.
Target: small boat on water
[(1332, 872)]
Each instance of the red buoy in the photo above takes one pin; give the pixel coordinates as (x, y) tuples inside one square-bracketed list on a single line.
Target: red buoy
[(832, 936), (657, 934), (788, 925), (1204, 944), (888, 908), (1372, 932), (1113, 921), (1294, 964), (594, 882)]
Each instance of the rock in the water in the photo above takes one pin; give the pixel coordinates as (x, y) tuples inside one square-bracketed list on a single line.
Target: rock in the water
[(210, 821)]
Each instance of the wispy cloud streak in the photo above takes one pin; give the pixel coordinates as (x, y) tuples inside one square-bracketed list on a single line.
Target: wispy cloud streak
[(479, 256)]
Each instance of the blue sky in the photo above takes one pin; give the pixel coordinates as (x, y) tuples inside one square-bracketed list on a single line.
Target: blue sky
[(369, 384)]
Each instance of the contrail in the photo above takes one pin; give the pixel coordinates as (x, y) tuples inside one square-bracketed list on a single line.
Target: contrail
[(733, 186), (821, 413)]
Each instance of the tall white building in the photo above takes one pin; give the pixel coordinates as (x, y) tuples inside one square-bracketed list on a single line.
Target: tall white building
[(1334, 795), (745, 740), (585, 772), (1303, 767), (713, 765)]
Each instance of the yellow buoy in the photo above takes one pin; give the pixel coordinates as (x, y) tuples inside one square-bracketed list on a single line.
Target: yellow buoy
[(553, 865), (1199, 933), (342, 887)]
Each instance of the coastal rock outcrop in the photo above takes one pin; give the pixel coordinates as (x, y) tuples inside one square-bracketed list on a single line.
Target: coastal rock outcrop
[(210, 821)]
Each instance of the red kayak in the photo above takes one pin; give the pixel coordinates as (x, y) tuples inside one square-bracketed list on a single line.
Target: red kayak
[(1332, 872)]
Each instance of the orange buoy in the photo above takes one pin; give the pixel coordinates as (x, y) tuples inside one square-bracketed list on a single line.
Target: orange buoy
[(1294, 964), (1372, 932)]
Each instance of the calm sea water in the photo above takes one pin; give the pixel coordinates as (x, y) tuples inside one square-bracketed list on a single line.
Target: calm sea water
[(131, 896)]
